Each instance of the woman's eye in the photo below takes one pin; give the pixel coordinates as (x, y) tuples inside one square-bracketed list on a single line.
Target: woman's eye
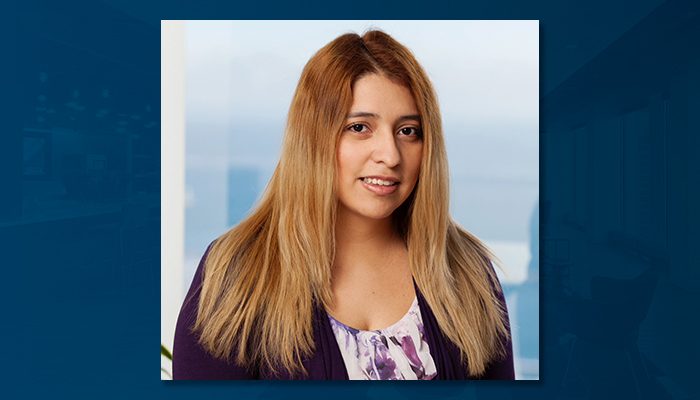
[(410, 131), (359, 128)]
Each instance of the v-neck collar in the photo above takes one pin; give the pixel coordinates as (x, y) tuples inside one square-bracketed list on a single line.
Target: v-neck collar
[(334, 366)]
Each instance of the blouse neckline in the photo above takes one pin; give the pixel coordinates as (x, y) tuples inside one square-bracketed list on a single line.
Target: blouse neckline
[(390, 328)]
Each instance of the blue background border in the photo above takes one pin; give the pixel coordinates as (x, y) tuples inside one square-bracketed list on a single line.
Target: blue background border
[(618, 316)]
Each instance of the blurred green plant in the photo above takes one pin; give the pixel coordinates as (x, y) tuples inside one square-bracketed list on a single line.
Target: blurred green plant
[(164, 352)]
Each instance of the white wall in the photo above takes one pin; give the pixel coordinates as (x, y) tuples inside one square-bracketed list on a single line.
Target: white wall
[(172, 70)]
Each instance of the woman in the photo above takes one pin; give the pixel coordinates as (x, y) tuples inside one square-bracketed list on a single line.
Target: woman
[(350, 267)]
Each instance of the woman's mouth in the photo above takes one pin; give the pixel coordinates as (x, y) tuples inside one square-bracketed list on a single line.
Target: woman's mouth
[(380, 186)]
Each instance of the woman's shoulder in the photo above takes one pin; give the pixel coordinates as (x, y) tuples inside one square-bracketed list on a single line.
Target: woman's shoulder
[(190, 360), (502, 367), (191, 302)]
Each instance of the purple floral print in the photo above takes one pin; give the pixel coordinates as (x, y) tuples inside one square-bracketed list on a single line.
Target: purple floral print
[(398, 352)]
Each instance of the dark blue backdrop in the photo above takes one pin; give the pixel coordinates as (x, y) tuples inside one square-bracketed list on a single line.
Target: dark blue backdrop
[(80, 205)]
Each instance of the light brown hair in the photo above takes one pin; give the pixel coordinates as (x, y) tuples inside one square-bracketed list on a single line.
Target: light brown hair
[(263, 278)]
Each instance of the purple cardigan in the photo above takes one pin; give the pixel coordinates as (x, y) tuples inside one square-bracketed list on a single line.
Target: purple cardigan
[(191, 361)]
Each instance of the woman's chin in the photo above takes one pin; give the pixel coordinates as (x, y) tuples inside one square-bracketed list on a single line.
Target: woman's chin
[(378, 212), (375, 214)]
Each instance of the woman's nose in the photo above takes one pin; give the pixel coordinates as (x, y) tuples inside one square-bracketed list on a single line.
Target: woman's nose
[(385, 149)]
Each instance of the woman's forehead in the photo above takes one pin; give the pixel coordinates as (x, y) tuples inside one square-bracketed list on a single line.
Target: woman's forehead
[(377, 96)]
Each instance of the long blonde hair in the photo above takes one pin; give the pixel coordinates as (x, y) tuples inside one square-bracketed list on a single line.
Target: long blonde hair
[(264, 277)]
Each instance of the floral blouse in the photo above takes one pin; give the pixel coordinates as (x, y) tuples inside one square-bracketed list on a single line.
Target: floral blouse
[(394, 353)]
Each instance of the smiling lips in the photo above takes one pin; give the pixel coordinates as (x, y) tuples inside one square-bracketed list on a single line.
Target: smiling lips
[(381, 185)]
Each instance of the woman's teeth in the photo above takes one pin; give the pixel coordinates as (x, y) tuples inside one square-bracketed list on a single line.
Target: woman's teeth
[(379, 182)]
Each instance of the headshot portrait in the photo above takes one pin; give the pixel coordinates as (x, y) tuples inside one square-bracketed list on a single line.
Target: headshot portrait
[(350, 200)]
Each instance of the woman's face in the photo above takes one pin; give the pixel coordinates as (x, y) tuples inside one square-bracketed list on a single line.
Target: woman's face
[(380, 149)]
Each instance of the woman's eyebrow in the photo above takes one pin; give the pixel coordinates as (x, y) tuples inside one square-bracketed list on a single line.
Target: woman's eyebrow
[(413, 117), (363, 114)]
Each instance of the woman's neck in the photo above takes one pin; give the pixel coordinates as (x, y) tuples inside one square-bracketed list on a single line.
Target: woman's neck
[(363, 242)]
